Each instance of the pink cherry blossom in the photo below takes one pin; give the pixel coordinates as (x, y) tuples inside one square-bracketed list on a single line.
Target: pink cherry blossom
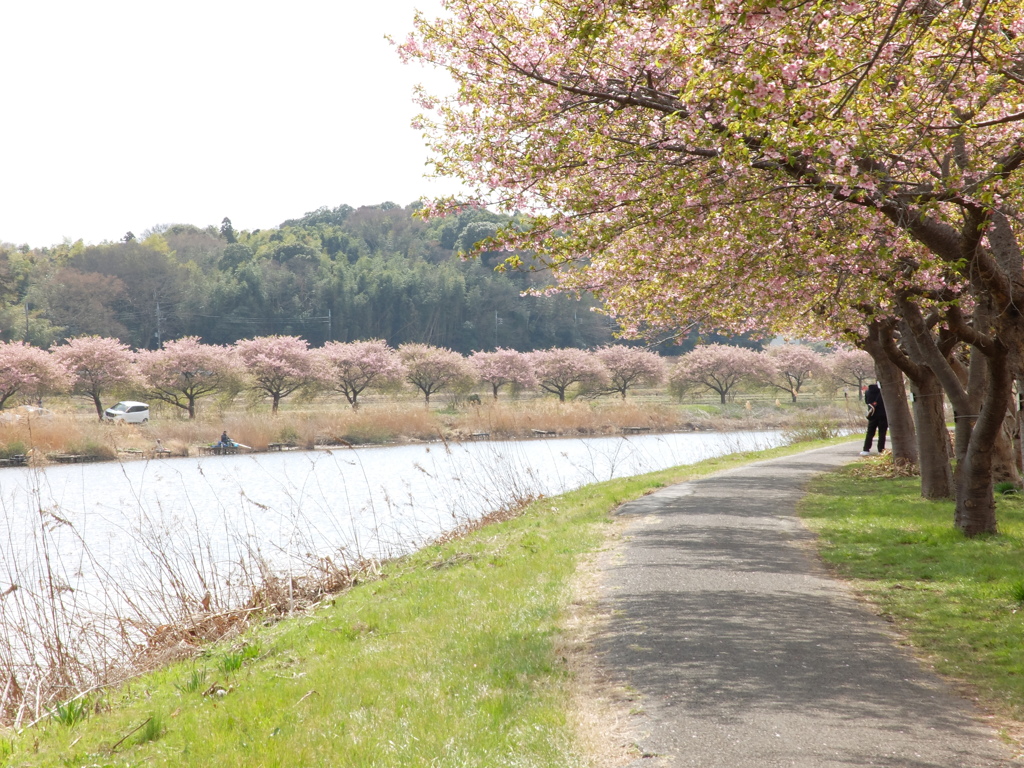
[(503, 367), (353, 367), (185, 370), (276, 365), (98, 365)]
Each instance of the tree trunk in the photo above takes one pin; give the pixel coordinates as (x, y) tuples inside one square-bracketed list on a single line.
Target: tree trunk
[(975, 503), (276, 402), (894, 393), (975, 382), (1005, 467), (932, 438), (98, 404), (1019, 431), (933, 446), (897, 409)]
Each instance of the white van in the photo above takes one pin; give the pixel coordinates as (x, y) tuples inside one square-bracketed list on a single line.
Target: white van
[(129, 411)]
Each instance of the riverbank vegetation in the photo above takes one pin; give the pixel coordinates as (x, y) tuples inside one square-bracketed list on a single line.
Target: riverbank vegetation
[(69, 428), (958, 601), (463, 652), (456, 653), (186, 374)]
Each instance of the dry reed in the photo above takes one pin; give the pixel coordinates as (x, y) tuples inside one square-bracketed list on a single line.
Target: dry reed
[(56, 642), (389, 419)]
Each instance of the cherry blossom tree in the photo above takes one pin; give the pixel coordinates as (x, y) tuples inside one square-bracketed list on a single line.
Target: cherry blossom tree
[(717, 367), (666, 148), (929, 407), (353, 367), (559, 369), (277, 365), (28, 371), (628, 367), (852, 367), (431, 369), (98, 365), (789, 367), (502, 367), (185, 370)]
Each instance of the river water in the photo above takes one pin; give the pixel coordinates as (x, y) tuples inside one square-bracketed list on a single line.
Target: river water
[(111, 534)]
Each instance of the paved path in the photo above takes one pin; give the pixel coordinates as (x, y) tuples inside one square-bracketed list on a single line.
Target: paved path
[(744, 653)]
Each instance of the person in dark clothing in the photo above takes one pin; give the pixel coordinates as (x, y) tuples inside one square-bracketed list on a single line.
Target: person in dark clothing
[(876, 419)]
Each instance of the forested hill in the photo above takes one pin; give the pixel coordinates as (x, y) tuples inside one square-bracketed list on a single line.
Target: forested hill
[(344, 274)]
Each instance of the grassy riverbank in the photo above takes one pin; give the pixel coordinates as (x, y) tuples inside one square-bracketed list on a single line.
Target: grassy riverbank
[(455, 657), (70, 428), (959, 602)]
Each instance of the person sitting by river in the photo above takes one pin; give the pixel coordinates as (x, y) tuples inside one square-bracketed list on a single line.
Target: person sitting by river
[(225, 441)]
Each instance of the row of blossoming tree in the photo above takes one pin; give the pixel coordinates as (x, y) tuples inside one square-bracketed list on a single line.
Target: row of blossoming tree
[(856, 166), (186, 370)]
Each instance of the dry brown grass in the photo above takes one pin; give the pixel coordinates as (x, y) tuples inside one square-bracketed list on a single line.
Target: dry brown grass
[(518, 418), (883, 466), (186, 619), (387, 419)]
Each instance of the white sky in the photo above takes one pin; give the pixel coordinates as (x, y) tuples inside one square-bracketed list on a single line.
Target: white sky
[(119, 116)]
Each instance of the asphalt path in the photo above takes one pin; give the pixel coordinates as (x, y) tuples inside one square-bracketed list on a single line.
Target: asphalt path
[(739, 650)]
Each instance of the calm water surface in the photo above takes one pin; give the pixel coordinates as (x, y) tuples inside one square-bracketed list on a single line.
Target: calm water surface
[(145, 521)]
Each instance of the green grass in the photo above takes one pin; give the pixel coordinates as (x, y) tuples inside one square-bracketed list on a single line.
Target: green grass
[(70, 713), (449, 660), (959, 600), (14, 448)]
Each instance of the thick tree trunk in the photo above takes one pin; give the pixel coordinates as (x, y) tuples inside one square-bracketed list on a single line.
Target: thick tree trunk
[(901, 424), (932, 438), (975, 502), (1018, 442), (974, 379), (903, 435), (1005, 466), (933, 446)]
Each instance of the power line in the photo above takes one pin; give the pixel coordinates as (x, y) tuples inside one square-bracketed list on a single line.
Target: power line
[(259, 320)]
